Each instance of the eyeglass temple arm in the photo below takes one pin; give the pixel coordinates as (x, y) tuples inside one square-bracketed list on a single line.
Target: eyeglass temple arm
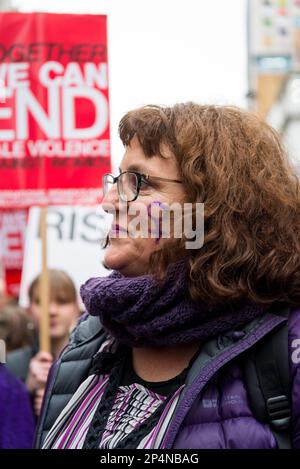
[(162, 179), (147, 176)]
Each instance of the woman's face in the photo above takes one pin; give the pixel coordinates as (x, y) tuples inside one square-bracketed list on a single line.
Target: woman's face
[(127, 254)]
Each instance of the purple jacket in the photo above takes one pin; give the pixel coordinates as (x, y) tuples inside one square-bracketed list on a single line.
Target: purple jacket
[(214, 410), (16, 416)]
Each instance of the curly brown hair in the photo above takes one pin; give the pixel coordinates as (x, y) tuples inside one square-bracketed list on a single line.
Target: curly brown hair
[(234, 163)]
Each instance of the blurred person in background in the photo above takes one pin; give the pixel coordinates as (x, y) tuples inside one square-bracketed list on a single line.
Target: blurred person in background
[(16, 328), (28, 363)]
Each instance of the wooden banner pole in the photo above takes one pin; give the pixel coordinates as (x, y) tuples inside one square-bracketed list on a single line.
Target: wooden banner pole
[(44, 336)]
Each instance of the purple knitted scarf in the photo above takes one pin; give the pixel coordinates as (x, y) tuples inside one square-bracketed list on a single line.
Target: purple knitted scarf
[(139, 312)]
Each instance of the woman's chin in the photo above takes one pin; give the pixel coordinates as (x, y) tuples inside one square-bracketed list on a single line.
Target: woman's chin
[(117, 259), (113, 262)]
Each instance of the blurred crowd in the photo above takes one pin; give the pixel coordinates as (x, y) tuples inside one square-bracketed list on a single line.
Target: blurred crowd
[(24, 375)]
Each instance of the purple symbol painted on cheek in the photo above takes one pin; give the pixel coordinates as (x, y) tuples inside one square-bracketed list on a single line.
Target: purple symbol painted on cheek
[(156, 220)]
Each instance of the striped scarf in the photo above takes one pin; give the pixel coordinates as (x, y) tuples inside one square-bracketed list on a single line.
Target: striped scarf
[(133, 406)]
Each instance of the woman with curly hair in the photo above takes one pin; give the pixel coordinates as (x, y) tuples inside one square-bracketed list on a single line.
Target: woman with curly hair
[(158, 361)]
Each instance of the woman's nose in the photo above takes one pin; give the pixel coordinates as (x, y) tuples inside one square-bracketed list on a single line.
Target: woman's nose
[(110, 199)]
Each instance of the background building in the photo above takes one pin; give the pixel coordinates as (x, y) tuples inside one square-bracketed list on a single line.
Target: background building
[(274, 67)]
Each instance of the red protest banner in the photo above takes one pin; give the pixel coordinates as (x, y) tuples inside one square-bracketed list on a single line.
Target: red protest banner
[(54, 114), (13, 225)]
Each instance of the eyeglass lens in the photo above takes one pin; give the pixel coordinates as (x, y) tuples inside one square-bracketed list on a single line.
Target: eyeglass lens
[(127, 185)]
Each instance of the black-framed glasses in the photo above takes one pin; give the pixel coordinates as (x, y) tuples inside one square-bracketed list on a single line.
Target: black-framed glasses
[(129, 183)]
